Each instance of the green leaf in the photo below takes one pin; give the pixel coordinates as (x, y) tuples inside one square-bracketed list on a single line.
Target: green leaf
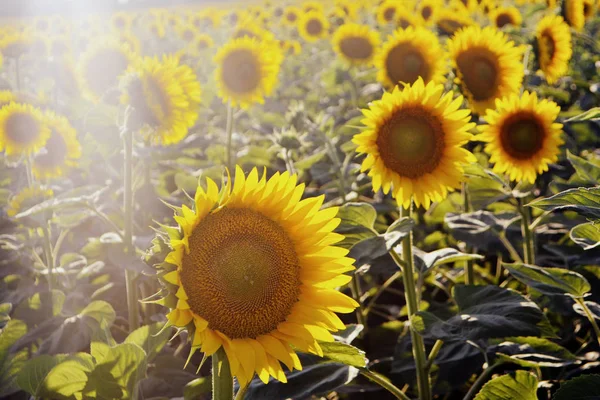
[(371, 248), (40, 306), (11, 363), (585, 170), (151, 338), (426, 261), (581, 200), (585, 387), (550, 281), (592, 114), (357, 221), (484, 187), (99, 310), (586, 235), (34, 371), (534, 352), (519, 385), (196, 388), (68, 378), (344, 354)]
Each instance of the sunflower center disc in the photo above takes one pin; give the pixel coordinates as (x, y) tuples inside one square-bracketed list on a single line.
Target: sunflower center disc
[(479, 72), (503, 20), (426, 13), (411, 143), (522, 136), (356, 47), (405, 63), (403, 23), (389, 13), (242, 273), (547, 48), (314, 27), (22, 128), (241, 72), (56, 151)]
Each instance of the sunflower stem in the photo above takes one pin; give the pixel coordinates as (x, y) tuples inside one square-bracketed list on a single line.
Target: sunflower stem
[(222, 380), (130, 284), (437, 346), (229, 134), (49, 257), (18, 73), (528, 244), (29, 171), (590, 317), (469, 270), (384, 383)]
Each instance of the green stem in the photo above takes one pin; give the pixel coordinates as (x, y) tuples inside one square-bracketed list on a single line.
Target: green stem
[(384, 383), (229, 134), (49, 256), (437, 346), (222, 381), (469, 270), (528, 244), (130, 284), (590, 317), (483, 377)]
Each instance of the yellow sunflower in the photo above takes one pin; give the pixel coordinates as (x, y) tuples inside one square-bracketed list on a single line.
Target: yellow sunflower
[(121, 21), (413, 140), (449, 21), (357, 44), (522, 136), (158, 29), (488, 65), (208, 18), (247, 28), (574, 13), (247, 71), (23, 129), (428, 10), (254, 270), (405, 18), (16, 43), (291, 15), (309, 6), (165, 97), (313, 26), (291, 47), (6, 96), (61, 151), (203, 41), (409, 54), (503, 16), (589, 8), (386, 12), (336, 18), (27, 198), (553, 45)]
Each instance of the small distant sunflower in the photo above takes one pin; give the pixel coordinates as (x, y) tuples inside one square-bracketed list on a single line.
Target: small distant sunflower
[(553, 45), (165, 97), (449, 22), (409, 54), (413, 140), (313, 26), (203, 41), (309, 6), (386, 12), (356, 44), (121, 21), (61, 151), (291, 15), (16, 43), (503, 16), (23, 129), (208, 18), (292, 47), (487, 64), (522, 136), (466, 5), (27, 198), (187, 32), (573, 11), (158, 29), (336, 18), (405, 18), (247, 28), (254, 270), (428, 9), (247, 71), (488, 6)]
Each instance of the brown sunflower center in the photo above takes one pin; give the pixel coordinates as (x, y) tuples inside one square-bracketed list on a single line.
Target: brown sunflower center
[(504, 19), (388, 14), (241, 72), (148, 101), (22, 128), (426, 12), (522, 135), (357, 48), (411, 143), (56, 151), (244, 32), (404, 23), (405, 63), (242, 272), (479, 71), (291, 16), (202, 44), (188, 35), (547, 48), (314, 27), (449, 26), (103, 69), (588, 9)]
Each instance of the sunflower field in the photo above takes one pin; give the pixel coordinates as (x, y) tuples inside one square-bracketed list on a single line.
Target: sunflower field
[(335, 199)]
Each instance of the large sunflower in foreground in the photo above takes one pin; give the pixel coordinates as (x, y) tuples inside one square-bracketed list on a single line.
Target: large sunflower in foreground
[(522, 136), (553, 45), (487, 64), (27, 198), (409, 54), (23, 129), (165, 97), (573, 11), (254, 270), (313, 26), (412, 142), (247, 71), (356, 44), (61, 151)]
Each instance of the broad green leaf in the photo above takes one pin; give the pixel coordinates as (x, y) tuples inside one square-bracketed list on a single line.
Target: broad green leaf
[(40, 306), (584, 387), (550, 281), (343, 353), (426, 261), (534, 352), (371, 248), (519, 385), (151, 338), (196, 388), (586, 235), (581, 200), (590, 115), (481, 228), (357, 220), (11, 362), (68, 378), (99, 310), (5, 309), (483, 186), (585, 170), (34, 372)]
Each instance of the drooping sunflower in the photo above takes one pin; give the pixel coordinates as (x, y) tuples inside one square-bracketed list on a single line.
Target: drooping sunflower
[(449, 21), (503, 16), (357, 44), (27, 198), (573, 11), (522, 136), (409, 54), (61, 151), (165, 97), (291, 15), (247, 71), (23, 129), (412, 142), (254, 270), (553, 47), (313, 26), (488, 65)]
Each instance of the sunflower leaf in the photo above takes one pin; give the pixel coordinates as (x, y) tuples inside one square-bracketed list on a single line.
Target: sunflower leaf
[(519, 385), (592, 114), (550, 281), (343, 353), (581, 200), (586, 235), (583, 387)]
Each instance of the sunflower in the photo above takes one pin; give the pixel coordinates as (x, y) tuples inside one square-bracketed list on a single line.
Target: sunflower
[(165, 98), (487, 64), (522, 136), (409, 54), (203, 42), (253, 270), (100, 67), (27, 198), (405, 18), (23, 129), (121, 21), (291, 15), (356, 44), (247, 28), (386, 12), (413, 140), (208, 18), (16, 43), (487, 6), (574, 13), (503, 16), (309, 6), (187, 32), (337, 18), (6, 96), (589, 8), (449, 21), (428, 9), (291, 47), (61, 151), (313, 26), (158, 29), (553, 45)]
